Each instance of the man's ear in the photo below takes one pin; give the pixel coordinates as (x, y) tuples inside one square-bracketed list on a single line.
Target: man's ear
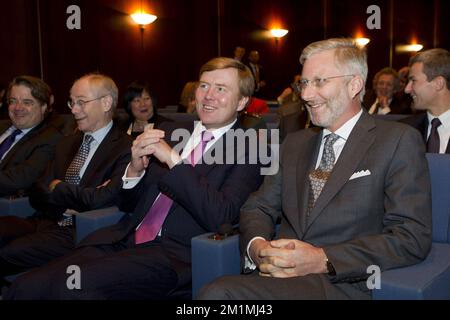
[(243, 103), (44, 108), (355, 86), (439, 83), (107, 102)]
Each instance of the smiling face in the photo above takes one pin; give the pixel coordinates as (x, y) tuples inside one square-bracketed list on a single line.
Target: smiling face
[(94, 114), (24, 110), (420, 89), (218, 98), (330, 104), (142, 106)]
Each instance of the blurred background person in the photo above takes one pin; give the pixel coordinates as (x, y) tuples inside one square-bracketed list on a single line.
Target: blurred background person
[(239, 53), (140, 104), (187, 98), (381, 100)]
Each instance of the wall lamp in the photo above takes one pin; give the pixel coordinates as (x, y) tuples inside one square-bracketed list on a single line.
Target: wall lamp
[(408, 47), (278, 33), (142, 18), (362, 42)]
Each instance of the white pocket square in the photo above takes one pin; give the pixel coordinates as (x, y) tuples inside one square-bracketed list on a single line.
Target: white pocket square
[(360, 174)]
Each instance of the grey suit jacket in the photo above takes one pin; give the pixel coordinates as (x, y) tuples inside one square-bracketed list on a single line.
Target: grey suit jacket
[(379, 219)]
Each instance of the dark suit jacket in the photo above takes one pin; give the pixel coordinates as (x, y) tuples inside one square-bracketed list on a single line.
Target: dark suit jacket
[(205, 197), (124, 120), (398, 106), (108, 163), (27, 159), (420, 122), (383, 218)]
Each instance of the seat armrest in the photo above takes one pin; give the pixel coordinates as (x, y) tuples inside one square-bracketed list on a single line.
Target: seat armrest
[(212, 259), (429, 279), (89, 221), (19, 207)]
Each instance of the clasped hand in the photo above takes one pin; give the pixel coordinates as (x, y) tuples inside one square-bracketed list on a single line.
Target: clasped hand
[(286, 258), (150, 143)]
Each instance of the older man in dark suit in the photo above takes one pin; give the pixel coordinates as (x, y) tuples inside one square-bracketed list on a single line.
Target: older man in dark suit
[(27, 143), (429, 86), (85, 174), (352, 195), (173, 197)]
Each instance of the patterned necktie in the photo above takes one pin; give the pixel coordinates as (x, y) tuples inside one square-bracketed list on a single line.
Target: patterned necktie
[(73, 172), (154, 218), (433, 143), (8, 142), (319, 176)]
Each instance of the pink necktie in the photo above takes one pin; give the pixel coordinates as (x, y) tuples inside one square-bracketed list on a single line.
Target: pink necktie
[(154, 219)]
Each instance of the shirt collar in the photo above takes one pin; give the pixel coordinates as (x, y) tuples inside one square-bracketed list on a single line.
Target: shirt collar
[(100, 134), (445, 118), (345, 130), (217, 133)]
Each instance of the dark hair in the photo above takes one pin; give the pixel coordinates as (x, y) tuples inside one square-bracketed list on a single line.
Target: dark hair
[(436, 62), (135, 89), (39, 89)]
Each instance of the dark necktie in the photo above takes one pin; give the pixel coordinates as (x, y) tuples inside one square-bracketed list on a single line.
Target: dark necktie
[(319, 176), (434, 143), (8, 142), (73, 172), (154, 218)]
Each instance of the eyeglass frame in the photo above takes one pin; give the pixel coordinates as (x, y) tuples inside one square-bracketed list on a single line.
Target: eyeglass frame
[(318, 82), (81, 103)]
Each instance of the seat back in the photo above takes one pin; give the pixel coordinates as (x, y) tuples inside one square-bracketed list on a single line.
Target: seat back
[(439, 166), (19, 207)]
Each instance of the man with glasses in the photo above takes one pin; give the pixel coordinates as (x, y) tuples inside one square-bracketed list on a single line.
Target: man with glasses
[(85, 174), (353, 194), (27, 143)]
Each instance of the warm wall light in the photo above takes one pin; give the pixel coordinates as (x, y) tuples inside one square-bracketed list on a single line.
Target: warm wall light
[(143, 18), (278, 33), (362, 42), (409, 47)]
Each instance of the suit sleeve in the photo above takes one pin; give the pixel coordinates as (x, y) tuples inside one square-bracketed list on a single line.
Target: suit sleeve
[(405, 237), (82, 198), (23, 174)]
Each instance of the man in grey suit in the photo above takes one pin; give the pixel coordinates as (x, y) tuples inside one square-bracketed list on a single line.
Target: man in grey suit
[(352, 195)]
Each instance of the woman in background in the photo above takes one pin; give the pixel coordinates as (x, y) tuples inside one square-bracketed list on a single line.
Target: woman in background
[(140, 105)]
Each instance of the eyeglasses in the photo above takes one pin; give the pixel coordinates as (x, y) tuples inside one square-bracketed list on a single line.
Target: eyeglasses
[(81, 103), (24, 102), (319, 82)]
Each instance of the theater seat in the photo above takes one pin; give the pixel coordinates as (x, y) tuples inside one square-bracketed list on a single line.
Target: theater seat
[(89, 221), (19, 207)]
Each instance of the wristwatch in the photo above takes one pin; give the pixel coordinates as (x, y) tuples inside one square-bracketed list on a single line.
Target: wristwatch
[(330, 269)]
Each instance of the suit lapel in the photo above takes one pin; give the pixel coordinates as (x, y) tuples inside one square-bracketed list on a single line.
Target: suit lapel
[(308, 156), (21, 142), (359, 141)]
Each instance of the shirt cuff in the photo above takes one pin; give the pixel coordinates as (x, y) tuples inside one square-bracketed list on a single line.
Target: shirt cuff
[(248, 262), (130, 183)]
